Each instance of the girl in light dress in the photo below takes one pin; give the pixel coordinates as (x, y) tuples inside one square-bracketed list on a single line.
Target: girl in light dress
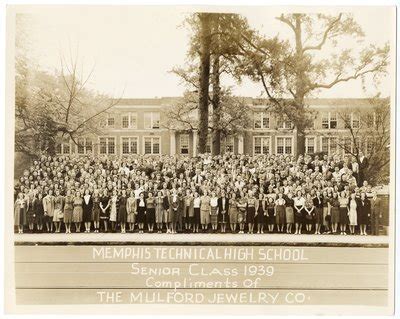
[(196, 212), (353, 207), (205, 210), (343, 212), (233, 212), (299, 202), (159, 212), (289, 212), (309, 209), (242, 208), (20, 208), (113, 210)]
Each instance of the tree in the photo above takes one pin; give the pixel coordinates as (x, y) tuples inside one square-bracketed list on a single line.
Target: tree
[(216, 56), (289, 73), (368, 133), (204, 79), (49, 106)]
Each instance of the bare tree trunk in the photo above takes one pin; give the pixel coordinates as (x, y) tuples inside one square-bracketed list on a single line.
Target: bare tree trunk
[(205, 47), (300, 86), (216, 99)]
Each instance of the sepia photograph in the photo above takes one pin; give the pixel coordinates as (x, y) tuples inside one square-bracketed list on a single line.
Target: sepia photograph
[(201, 159)]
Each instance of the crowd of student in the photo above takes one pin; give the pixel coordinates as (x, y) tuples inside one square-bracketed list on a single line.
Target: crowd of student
[(227, 193)]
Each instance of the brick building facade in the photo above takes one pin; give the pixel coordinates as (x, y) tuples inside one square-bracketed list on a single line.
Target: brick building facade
[(136, 126)]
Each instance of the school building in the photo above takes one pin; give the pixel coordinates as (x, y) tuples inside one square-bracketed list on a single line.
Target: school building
[(135, 126)]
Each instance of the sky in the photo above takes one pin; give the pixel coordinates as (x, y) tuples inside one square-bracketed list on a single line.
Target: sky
[(132, 49)]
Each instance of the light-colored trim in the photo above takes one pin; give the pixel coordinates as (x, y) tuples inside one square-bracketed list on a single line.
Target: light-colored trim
[(121, 148), (262, 136), (115, 144), (284, 144), (151, 136)]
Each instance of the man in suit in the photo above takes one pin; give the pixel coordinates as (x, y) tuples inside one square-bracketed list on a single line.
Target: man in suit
[(223, 208), (376, 213)]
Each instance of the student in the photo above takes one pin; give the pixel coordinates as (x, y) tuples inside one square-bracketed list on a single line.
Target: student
[(309, 209), (20, 208), (335, 212), (38, 211), (77, 213), (48, 205), (205, 210), (214, 211), (96, 211), (159, 211), (141, 212), (87, 210), (353, 208), (280, 212), (174, 206), (363, 213), (319, 212), (196, 212), (104, 206), (131, 206), (376, 213), (68, 211), (223, 208), (343, 212), (167, 210), (31, 213), (271, 214), (289, 210), (113, 210), (299, 203), (242, 208), (251, 211), (150, 212), (233, 212), (188, 210), (122, 211), (260, 213), (326, 212)]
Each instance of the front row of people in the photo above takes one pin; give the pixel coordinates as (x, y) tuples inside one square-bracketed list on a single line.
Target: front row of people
[(169, 210)]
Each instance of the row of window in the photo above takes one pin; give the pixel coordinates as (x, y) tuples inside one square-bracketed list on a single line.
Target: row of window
[(107, 145), (330, 145), (129, 120), (329, 120), (261, 145)]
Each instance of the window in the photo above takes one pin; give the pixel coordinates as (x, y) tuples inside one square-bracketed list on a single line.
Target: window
[(184, 143), (151, 145), (129, 145), (151, 120), (63, 147), (355, 120), (261, 120), (284, 145), (310, 145), (370, 120), (329, 145), (262, 145), (85, 145), (110, 120), (284, 124), (129, 120), (107, 145), (329, 120), (229, 144)]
